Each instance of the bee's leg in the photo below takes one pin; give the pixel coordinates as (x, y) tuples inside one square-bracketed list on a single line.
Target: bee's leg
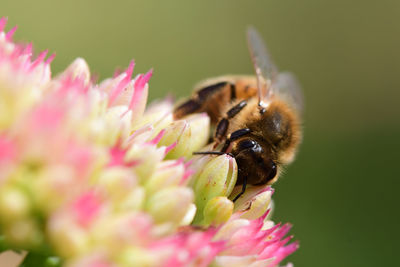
[(223, 124), (220, 131), (243, 189), (233, 136), (196, 103)]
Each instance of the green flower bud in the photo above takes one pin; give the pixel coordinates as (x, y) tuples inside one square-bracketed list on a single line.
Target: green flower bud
[(167, 174), (179, 132), (259, 206), (200, 127), (24, 233), (170, 205), (189, 216), (190, 134), (254, 202), (135, 256), (117, 124), (134, 200), (217, 211), (217, 178), (118, 182), (158, 114), (68, 239), (52, 187), (78, 69), (14, 204), (147, 166)]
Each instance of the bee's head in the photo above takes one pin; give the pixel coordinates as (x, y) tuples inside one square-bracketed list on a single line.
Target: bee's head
[(254, 163)]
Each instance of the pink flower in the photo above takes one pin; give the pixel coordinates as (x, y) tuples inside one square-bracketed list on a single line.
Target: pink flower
[(252, 239), (248, 241)]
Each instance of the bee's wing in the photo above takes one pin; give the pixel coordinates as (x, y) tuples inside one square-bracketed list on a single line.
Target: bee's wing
[(288, 89), (283, 85), (266, 70)]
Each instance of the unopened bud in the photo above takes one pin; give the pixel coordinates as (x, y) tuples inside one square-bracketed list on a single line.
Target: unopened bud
[(158, 114), (24, 233), (217, 211), (170, 205), (118, 182), (14, 204), (148, 157), (117, 123), (168, 173), (69, 239), (200, 127), (134, 200), (135, 256), (78, 69), (179, 132), (254, 202), (217, 179)]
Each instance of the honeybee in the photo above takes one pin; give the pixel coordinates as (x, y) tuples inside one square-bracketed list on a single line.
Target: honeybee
[(257, 118)]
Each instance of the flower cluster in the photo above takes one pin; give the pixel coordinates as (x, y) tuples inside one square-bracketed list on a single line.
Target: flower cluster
[(92, 176)]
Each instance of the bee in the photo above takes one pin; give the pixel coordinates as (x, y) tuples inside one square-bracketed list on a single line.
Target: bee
[(257, 118)]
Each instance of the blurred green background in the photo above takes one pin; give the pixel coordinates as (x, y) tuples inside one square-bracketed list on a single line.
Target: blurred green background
[(341, 194)]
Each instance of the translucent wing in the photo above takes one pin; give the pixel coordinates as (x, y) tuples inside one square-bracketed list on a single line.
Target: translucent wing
[(283, 85), (288, 89), (265, 69)]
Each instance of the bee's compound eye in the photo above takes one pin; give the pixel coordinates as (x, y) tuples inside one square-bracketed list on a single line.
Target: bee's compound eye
[(273, 171), (245, 144)]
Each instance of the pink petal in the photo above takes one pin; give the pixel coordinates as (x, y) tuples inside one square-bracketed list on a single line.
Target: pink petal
[(86, 208), (50, 58), (140, 131), (39, 59), (46, 116), (117, 155), (170, 147), (283, 252), (281, 232), (3, 23), (174, 163), (139, 86), (10, 33), (28, 50), (79, 157), (190, 248), (115, 92), (188, 173), (157, 139), (117, 72), (8, 150)]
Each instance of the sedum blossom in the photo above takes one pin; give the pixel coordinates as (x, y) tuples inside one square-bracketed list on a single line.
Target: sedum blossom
[(91, 177)]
